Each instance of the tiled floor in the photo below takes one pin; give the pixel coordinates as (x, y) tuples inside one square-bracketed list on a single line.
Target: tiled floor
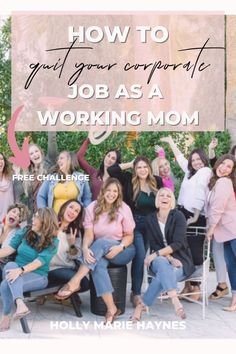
[(54, 321)]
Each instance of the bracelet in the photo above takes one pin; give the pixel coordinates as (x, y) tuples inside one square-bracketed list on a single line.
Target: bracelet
[(122, 245), (22, 271)]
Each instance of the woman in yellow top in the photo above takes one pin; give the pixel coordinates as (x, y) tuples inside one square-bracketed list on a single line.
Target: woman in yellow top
[(63, 184)]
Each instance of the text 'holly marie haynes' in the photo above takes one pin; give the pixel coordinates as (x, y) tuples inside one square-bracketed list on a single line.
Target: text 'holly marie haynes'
[(124, 325)]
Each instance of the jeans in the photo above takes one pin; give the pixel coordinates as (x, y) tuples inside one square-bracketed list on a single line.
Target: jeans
[(63, 275), (141, 247), (12, 291), (166, 278), (219, 261), (230, 260), (100, 274)]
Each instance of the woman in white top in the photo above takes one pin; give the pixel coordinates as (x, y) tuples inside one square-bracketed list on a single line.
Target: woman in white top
[(192, 199), (65, 264)]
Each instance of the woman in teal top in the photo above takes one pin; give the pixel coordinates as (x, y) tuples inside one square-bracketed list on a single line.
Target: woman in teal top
[(35, 246)]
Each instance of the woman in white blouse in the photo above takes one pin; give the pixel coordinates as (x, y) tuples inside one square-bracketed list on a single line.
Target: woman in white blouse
[(192, 199)]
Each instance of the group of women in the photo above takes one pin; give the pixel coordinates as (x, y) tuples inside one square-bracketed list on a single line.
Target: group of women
[(131, 212)]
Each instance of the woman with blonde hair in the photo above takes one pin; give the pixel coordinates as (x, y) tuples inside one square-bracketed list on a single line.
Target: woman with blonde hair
[(35, 246), (108, 239), (64, 183), (40, 164), (170, 260), (139, 189)]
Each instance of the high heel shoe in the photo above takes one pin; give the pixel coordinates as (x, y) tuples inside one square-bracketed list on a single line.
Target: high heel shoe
[(111, 317), (139, 310), (181, 313)]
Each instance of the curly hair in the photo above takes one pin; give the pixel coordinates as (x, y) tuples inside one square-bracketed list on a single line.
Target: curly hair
[(24, 211), (202, 156), (49, 228), (151, 181), (7, 172), (232, 176), (77, 223), (100, 206)]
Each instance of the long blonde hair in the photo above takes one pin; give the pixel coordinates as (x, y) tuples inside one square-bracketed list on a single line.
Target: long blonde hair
[(151, 181), (100, 206)]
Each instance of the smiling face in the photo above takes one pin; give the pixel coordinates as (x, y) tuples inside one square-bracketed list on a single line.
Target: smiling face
[(196, 162), (64, 162), (71, 212), (225, 168), (35, 154), (36, 223), (142, 170), (164, 168), (164, 200), (110, 159), (2, 163), (111, 194), (13, 218)]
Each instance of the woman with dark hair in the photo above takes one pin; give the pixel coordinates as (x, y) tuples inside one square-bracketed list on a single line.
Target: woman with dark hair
[(108, 239), (63, 184), (139, 189), (192, 200), (221, 211), (218, 248), (6, 186), (65, 263), (170, 260), (35, 247), (97, 176)]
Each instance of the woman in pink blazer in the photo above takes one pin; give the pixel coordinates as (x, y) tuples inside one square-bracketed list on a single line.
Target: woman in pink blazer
[(221, 211)]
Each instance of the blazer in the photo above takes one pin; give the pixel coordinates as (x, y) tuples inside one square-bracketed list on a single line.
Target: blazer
[(221, 210), (175, 233), (125, 179)]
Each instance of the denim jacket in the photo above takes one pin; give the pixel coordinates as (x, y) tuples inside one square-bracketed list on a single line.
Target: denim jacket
[(45, 193)]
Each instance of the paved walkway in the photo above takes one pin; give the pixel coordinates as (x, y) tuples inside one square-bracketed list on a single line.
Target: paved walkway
[(56, 321)]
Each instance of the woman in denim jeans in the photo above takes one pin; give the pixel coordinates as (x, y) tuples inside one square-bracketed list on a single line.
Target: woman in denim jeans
[(139, 189), (64, 264), (35, 246), (108, 239), (170, 259), (221, 212)]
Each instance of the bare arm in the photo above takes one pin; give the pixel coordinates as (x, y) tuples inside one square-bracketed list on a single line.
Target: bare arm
[(126, 165), (169, 140), (6, 251), (115, 250), (13, 274), (211, 148), (87, 241)]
